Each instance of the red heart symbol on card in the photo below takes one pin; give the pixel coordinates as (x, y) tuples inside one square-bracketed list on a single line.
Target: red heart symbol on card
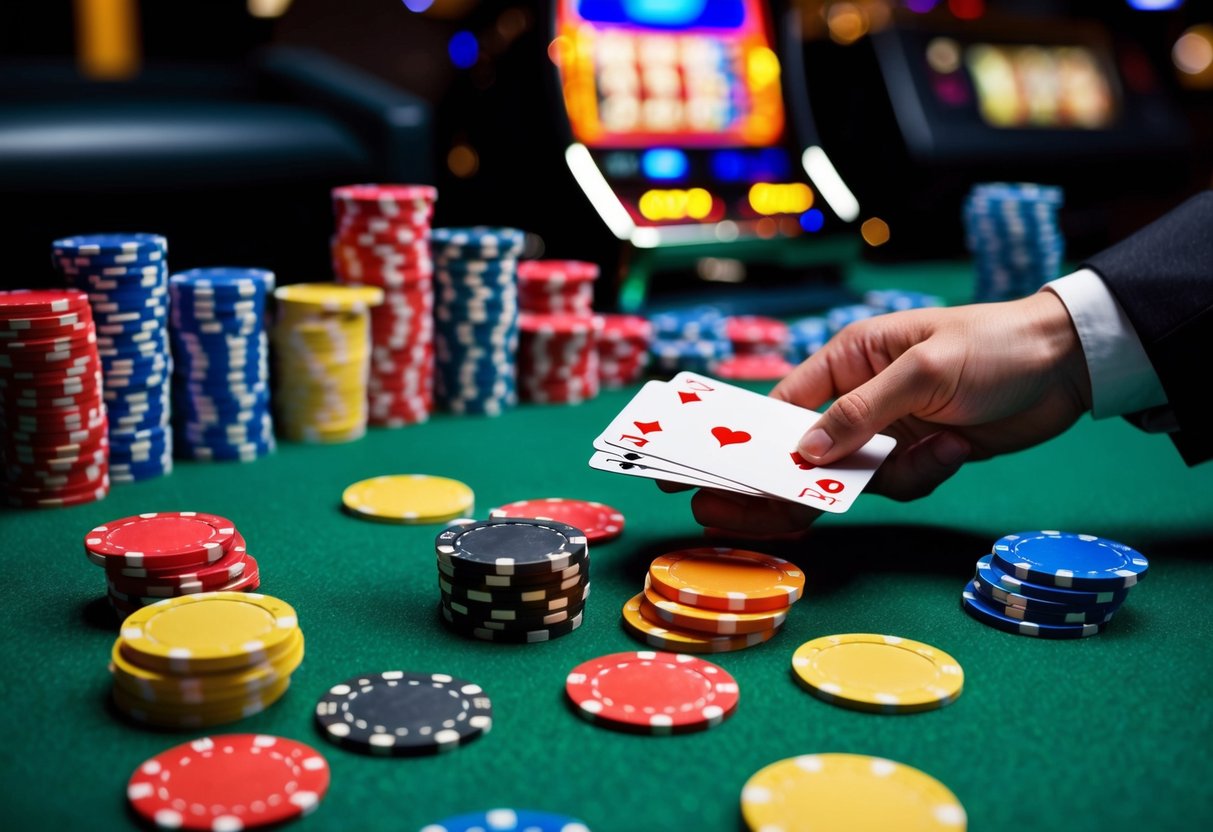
[(730, 437)]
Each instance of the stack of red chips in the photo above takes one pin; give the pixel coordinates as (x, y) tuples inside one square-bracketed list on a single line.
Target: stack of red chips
[(759, 344), (54, 446), (150, 557), (556, 287), (383, 239), (623, 349), (558, 357)]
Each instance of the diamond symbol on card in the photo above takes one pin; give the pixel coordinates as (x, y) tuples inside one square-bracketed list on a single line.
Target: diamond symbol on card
[(648, 427)]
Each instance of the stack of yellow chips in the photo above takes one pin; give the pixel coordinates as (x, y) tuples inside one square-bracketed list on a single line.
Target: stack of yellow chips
[(205, 659), (322, 342)]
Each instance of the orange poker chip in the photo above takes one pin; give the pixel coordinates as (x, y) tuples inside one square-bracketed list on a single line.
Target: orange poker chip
[(722, 578)]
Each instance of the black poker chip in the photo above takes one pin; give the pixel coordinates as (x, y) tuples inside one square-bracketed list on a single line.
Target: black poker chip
[(398, 713), (511, 546)]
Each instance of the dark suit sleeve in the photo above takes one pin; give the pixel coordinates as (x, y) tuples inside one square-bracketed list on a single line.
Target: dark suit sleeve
[(1163, 278)]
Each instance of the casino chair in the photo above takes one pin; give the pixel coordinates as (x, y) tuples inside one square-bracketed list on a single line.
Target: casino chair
[(231, 161)]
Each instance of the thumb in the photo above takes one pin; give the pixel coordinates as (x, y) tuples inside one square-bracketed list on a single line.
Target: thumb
[(856, 416)]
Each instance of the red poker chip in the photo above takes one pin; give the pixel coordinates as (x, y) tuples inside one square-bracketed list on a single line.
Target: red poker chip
[(249, 579), (232, 565), (751, 329), (375, 192), (29, 303), (58, 499), (760, 367), (635, 327), (161, 540), (557, 270), (652, 692), (598, 520), (229, 781), (531, 322)]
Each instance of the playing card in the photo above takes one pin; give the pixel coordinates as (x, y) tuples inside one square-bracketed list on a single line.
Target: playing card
[(741, 437), (636, 465)]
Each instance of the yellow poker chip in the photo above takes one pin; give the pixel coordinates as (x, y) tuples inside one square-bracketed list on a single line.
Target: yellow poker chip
[(848, 793), (208, 632), (186, 717), (712, 622), (668, 637), (154, 685), (722, 578), (331, 297), (878, 673), (408, 498)]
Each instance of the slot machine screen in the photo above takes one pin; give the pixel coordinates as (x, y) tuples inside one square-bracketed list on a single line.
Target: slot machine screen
[(676, 109)]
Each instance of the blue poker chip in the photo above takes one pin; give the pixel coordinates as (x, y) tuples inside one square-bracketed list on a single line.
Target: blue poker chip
[(841, 316), (1070, 561), (468, 241), (978, 607), (1040, 612), (94, 244), (508, 820), (989, 572)]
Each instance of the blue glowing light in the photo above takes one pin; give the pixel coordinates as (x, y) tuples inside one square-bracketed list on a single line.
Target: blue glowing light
[(665, 14), (463, 49), (664, 163), (729, 166), (418, 5), (921, 6), (1155, 5), (812, 220)]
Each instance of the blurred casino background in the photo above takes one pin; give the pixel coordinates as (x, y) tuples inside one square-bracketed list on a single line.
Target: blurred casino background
[(686, 145)]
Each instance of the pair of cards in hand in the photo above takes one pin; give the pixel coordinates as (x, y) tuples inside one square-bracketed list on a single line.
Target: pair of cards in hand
[(701, 432)]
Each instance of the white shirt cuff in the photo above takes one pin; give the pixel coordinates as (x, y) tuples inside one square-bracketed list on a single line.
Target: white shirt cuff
[(1122, 379)]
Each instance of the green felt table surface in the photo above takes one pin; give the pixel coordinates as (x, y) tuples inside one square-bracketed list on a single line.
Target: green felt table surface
[(1107, 733)]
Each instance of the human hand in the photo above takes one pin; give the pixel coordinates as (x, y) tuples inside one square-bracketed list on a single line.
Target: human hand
[(950, 385)]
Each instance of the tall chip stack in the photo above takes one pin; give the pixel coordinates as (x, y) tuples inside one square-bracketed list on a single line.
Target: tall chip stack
[(557, 355), (322, 346), (623, 349), (1012, 231), (690, 339), (383, 239), (126, 278), (759, 344), (54, 443), (476, 318), (221, 385), (513, 579)]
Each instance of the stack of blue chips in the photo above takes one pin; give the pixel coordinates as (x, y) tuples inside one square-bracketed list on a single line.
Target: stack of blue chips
[(476, 318), (126, 278), (1013, 234), (839, 317), (221, 392), (805, 337), (1052, 584), (695, 340)]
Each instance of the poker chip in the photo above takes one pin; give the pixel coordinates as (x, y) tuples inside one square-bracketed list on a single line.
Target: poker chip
[(878, 673), (712, 622), (382, 240), (512, 546), (512, 580), (732, 580), (623, 349), (756, 367), (125, 278), (54, 445), (652, 692), (975, 605), (476, 334), (555, 287), (557, 357), (160, 540), (408, 498), (694, 339), (1028, 594), (598, 521), (508, 820), (1013, 233), (322, 344), (847, 792), (220, 376), (400, 713), (656, 633), (898, 300), (229, 781), (1070, 561), (209, 632), (838, 318)]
